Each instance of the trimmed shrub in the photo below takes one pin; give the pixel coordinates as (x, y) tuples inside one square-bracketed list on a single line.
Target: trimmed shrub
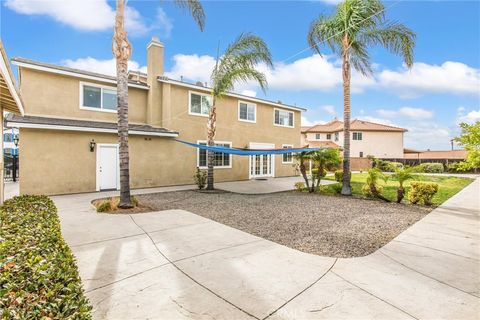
[(422, 192), (299, 186), (387, 166), (339, 175), (432, 167), (456, 167), (38, 275), (200, 178), (367, 191)]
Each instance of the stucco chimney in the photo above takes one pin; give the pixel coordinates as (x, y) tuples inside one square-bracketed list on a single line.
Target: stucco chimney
[(154, 70)]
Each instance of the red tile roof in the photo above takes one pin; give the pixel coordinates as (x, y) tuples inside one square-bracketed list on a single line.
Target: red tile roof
[(356, 124)]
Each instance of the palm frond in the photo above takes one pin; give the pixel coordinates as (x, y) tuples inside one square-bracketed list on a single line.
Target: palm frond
[(360, 59), (196, 10), (395, 37), (325, 30), (239, 63)]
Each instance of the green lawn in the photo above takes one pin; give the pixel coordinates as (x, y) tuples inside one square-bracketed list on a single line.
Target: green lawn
[(447, 186)]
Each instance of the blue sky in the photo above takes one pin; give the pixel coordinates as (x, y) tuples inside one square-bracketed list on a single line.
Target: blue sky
[(441, 90)]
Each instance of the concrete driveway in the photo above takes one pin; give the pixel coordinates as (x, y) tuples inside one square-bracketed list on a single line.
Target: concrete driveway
[(177, 265)]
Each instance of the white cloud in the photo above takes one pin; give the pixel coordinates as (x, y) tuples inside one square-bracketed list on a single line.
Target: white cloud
[(450, 77), (249, 93), (407, 112), (428, 135), (307, 123), (329, 109), (471, 117), (192, 67), (89, 15), (100, 66), (311, 73)]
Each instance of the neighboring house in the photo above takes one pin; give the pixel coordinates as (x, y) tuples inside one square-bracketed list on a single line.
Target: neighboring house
[(367, 138), (9, 100), (9, 147), (69, 132)]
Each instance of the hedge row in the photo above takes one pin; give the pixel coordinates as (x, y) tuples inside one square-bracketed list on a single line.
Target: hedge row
[(38, 275)]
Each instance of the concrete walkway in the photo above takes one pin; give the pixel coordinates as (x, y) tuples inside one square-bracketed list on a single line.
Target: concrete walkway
[(177, 265)]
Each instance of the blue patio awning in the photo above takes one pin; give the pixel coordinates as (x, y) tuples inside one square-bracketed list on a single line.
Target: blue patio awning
[(248, 152)]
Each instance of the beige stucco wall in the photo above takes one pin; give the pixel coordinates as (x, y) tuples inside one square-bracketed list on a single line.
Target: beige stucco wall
[(53, 95), (56, 162), (380, 144)]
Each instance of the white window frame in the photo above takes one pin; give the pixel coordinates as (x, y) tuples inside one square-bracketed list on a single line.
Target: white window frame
[(254, 113), (190, 92), (215, 167), (281, 125), (329, 136), (96, 85), (288, 146), (318, 136)]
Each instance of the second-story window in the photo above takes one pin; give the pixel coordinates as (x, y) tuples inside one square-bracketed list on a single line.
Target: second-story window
[(336, 136), (329, 136), (99, 97), (357, 136), (317, 136), (283, 118), (199, 104), (247, 111)]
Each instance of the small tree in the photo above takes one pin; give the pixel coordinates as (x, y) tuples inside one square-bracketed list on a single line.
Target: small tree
[(325, 159), (470, 140), (372, 187), (303, 158), (402, 175)]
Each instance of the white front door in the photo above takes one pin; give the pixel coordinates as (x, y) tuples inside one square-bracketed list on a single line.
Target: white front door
[(262, 165), (107, 167)]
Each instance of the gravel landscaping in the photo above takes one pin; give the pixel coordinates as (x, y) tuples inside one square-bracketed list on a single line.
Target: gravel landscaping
[(319, 224)]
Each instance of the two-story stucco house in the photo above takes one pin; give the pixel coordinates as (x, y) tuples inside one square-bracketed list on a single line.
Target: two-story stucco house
[(69, 131), (367, 138)]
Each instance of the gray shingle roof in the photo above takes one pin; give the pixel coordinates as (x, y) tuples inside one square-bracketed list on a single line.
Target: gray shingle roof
[(83, 124)]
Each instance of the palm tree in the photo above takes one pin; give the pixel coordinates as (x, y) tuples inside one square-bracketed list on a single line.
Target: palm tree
[(122, 51), (236, 65), (372, 183), (402, 175), (303, 158), (356, 25)]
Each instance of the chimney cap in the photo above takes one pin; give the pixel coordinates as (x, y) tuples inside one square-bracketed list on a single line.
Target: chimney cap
[(155, 42)]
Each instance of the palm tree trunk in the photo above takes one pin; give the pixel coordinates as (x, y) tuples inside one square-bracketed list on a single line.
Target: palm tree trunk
[(303, 171), (346, 190), (211, 127), (122, 51)]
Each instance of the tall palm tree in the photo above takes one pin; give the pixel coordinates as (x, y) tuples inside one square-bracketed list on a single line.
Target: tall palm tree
[(237, 64), (355, 26), (122, 51)]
